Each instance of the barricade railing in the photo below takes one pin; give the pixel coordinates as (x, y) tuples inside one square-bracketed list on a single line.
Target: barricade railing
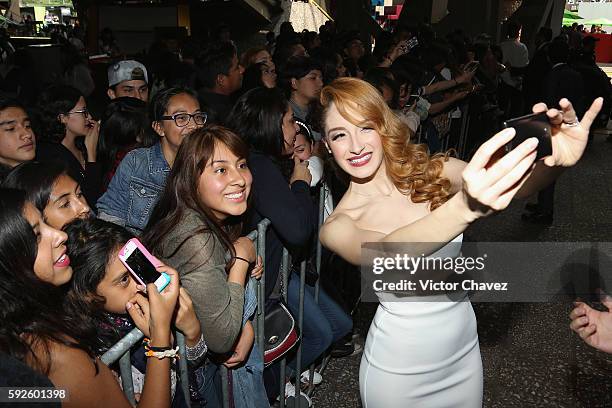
[(121, 350), (463, 135)]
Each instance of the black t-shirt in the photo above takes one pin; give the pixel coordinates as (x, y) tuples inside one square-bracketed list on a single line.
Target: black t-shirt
[(14, 373)]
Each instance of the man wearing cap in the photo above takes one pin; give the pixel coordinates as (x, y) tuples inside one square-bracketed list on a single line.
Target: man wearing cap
[(128, 78)]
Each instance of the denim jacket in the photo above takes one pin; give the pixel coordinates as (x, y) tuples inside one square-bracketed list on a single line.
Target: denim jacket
[(247, 380), (135, 188)]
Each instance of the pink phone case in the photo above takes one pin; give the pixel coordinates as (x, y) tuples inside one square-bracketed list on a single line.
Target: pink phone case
[(127, 250)]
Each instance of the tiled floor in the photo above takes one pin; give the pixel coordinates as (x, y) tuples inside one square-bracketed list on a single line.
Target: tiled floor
[(530, 356)]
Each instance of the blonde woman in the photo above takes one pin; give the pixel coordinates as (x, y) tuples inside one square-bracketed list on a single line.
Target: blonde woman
[(425, 353)]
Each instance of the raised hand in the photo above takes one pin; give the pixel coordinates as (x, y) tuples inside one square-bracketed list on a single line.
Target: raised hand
[(569, 135), (138, 309), (300, 171), (593, 326), (91, 140), (158, 315)]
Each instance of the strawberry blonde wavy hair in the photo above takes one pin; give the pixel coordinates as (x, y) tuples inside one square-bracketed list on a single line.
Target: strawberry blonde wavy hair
[(409, 166)]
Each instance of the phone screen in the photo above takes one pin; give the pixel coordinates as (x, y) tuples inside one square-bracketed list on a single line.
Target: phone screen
[(142, 267)]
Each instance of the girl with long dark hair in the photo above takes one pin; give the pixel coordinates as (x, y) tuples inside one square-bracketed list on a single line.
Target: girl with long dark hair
[(196, 221), (281, 193), (35, 328), (141, 175), (52, 190), (102, 286), (67, 132)]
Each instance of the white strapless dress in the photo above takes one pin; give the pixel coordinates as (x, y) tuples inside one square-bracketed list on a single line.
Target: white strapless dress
[(422, 354)]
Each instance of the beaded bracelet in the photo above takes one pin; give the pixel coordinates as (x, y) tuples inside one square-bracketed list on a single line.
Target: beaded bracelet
[(159, 352), (197, 351)]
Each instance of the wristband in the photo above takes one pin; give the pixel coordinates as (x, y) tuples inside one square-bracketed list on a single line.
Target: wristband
[(242, 259), (197, 351), (159, 352), (147, 346), (172, 353)]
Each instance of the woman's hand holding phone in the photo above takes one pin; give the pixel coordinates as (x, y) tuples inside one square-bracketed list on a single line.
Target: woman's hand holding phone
[(569, 135), (490, 185), (156, 313)]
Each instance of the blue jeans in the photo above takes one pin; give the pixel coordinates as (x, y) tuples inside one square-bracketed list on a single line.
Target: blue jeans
[(324, 323), (209, 386)]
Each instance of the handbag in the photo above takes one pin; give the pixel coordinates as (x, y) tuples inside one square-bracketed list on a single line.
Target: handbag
[(280, 331)]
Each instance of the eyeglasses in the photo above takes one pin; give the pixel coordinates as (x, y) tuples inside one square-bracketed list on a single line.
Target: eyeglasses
[(183, 119), (85, 112)]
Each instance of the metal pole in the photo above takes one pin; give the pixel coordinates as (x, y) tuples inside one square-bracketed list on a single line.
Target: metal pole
[(284, 276), (322, 196), (122, 346), (183, 371), (463, 136), (262, 228), (319, 250), (298, 364), (125, 368), (225, 386)]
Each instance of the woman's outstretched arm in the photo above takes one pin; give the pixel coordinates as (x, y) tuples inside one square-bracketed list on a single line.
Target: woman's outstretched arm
[(484, 189)]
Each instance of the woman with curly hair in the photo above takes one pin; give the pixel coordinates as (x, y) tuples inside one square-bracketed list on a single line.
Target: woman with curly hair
[(425, 349)]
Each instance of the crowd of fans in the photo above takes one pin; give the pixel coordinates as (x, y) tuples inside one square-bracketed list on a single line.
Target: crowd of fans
[(192, 150)]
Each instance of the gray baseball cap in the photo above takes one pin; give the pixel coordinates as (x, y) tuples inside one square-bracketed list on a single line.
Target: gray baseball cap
[(126, 71)]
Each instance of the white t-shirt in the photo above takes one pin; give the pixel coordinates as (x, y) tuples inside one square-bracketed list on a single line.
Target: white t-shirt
[(516, 55)]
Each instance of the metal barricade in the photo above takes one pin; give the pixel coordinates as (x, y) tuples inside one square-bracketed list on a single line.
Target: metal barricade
[(259, 238), (463, 136), (121, 351)]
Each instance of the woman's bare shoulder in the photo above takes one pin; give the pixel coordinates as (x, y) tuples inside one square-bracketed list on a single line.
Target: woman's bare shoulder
[(88, 382), (342, 234)]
